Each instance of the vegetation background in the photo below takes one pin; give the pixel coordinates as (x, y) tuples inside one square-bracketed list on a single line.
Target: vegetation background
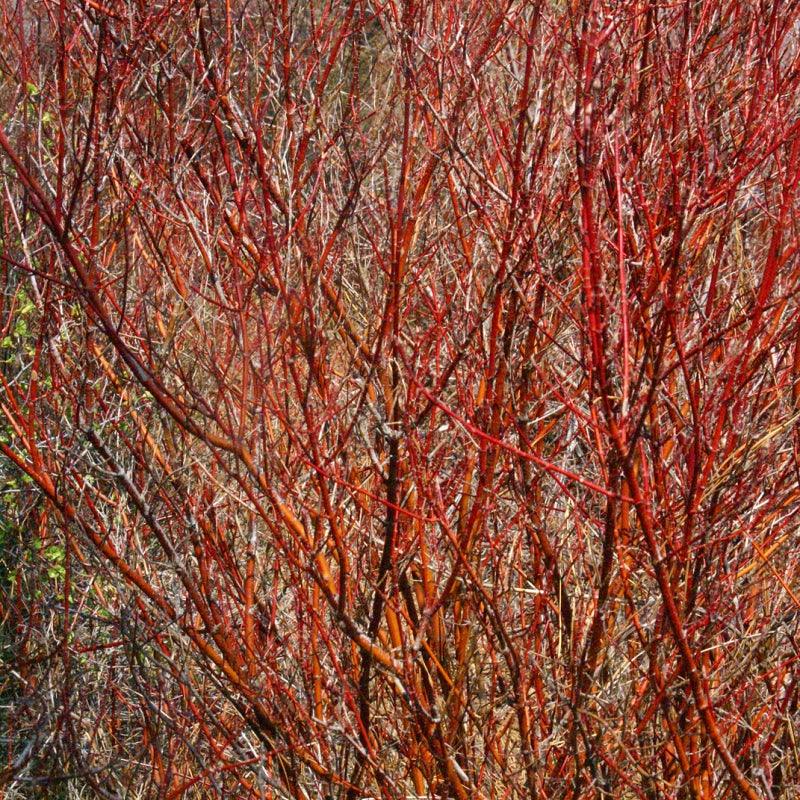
[(399, 399)]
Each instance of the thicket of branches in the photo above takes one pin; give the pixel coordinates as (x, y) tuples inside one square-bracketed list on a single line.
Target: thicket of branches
[(399, 398)]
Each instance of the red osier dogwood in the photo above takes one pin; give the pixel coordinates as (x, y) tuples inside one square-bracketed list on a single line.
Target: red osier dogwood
[(400, 399)]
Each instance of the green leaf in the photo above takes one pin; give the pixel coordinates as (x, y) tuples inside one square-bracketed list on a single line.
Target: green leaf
[(54, 553)]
